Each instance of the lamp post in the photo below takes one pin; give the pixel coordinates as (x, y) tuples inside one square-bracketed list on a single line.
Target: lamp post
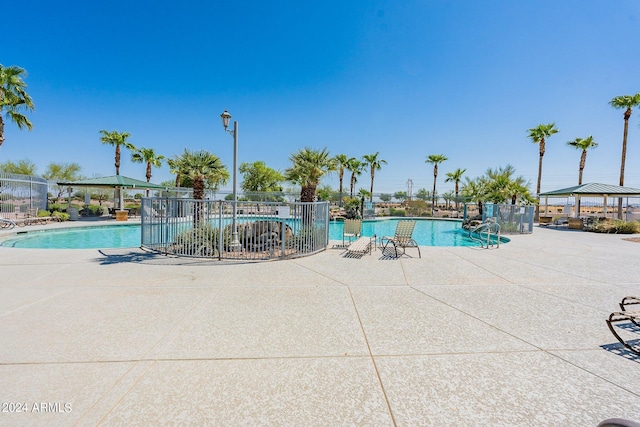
[(226, 117)]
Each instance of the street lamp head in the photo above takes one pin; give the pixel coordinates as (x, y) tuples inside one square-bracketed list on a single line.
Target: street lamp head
[(226, 117)]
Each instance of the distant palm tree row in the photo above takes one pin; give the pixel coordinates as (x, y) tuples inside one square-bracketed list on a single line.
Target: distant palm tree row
[(202, 169)]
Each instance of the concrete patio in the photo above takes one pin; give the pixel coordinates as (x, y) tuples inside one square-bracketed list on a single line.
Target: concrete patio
[(463, 336)]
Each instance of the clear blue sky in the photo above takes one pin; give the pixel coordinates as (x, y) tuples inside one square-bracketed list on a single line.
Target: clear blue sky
[(406, 78)]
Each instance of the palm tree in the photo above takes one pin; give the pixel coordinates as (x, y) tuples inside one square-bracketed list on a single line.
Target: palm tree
[(435, 159), (475, 190), (501, 186), (117, 139), (626, 102), (148, 156), (13, 98), (342, 161), (308, 167), (174, 168), (583, 144), (356, 167), (539, 135), (456, 177), (374, 164), (205, 169)]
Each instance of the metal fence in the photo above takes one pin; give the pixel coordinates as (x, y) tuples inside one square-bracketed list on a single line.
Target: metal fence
[(20, 193), (257, 231), (513, 219)]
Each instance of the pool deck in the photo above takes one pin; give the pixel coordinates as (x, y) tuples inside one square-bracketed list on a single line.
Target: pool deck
[(514, 336)]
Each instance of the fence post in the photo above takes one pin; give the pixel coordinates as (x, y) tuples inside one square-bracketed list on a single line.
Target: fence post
[(220, 231)]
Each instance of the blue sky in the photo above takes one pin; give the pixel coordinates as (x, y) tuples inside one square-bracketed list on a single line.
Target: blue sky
[(406, 78)]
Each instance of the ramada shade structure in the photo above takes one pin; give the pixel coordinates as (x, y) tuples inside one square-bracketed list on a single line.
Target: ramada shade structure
[(115, 181), (592, 189)]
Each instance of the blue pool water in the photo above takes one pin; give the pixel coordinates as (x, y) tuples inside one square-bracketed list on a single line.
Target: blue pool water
[(426, 233)]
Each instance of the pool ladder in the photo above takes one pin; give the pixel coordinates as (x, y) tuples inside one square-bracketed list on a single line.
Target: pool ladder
[(483, 232)]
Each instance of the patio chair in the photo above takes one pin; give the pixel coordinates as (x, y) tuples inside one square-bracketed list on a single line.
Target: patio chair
[(352, 230), (7, 223), (626, 316), (360, 247), (403, 238)]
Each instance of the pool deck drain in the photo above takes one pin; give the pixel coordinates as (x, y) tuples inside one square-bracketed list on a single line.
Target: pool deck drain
[(514, 336)]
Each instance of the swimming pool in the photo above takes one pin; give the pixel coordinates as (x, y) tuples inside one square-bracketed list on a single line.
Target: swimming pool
[(427, 232)]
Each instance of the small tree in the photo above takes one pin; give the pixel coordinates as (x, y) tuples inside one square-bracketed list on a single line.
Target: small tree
[(21, 167), (401, 196), (386, 197), (62, 172)]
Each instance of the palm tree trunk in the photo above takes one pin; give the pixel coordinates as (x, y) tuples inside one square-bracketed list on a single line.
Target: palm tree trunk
[(353, 184), (583, 160), (627, 115), (117, 165), (433, 195), (1, 131), (341, 177), (373, 172), (536, 216)]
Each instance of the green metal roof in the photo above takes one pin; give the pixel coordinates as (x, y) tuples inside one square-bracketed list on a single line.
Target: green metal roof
[(595, 190), (112, 182)]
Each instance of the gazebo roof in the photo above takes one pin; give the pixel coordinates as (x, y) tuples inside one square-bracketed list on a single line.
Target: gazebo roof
[(593, 189), (112, 182)]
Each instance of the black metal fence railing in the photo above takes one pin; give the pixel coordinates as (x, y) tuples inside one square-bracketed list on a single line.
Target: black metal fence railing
[(257, 231)]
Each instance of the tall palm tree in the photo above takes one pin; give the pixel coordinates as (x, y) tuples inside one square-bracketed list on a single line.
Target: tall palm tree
[(374, 164), (148, 156), (356, 167), (342, 161), (117, 139), (308, 166), (583, 144), (456, 177), (435, 159), (626, 102), (13, 98), (539, 135)]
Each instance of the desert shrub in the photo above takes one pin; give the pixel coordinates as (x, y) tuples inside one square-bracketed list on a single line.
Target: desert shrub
[(201, 240), (63, 216), (616, 226), (416, 207), (396, 212)]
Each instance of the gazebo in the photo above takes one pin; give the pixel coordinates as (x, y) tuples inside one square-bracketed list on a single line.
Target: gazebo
[(116, 182), (592, 190)]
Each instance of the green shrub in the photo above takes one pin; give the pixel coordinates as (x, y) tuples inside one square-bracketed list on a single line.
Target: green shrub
[(58, 207), (63, 216), (396, 212), (42, 213)]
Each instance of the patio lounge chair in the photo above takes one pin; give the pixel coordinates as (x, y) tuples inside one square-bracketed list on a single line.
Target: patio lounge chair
[(403, 238), (360, 247), (626, 316), (7, 223), (352, 229)]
